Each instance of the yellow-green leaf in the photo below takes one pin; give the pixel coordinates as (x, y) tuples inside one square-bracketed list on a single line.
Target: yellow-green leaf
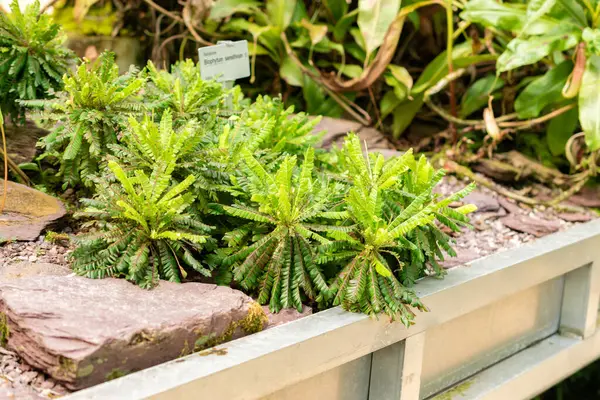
[(316, 31), (374, 19), (381, 269), (589, 103)]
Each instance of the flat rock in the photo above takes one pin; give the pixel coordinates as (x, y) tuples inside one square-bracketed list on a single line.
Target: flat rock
[(27, 212), (484, 202), (337, 129), (463, 256), (586, 197), (286, 315), (26, 269), (535, 226), (574, 217), (509, 206), (83, 332)]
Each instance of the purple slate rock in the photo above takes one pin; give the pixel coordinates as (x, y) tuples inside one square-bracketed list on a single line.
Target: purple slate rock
[(83, 331)]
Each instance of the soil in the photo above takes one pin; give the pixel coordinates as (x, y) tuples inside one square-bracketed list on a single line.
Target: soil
[(494, 230)]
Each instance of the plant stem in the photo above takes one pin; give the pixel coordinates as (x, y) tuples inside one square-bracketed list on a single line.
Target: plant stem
[(481, 180), (449, 46), (3, 203), (528, 123)]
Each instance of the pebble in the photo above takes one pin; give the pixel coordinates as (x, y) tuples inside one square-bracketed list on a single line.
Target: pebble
[(20, 377)]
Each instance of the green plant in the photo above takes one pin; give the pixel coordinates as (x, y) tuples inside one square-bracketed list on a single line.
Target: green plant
[(275, 254), (560, 40), (340, 228), (33, 57), (427, 243), (144, 142), (143, 231), (374, 250), (90, 115), (184, 92), (291, 133)]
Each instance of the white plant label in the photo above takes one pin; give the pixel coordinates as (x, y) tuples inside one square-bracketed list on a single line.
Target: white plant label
[(226, 61)]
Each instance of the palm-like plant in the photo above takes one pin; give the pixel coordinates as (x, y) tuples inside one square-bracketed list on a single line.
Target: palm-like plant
[(279, 259), (183, 91), (33, 57), (374, 248), (291, 133), (144, 142), (144, 232), (430, 242), (91, 113)]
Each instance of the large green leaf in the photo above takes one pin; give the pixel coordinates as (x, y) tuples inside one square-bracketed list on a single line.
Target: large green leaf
[(291, 72), (374, 19), (574, 10), (405, 113), (317, 102), (543, 91), (438, 68), (400, 80), (389, 102), (520, 52), (224, 8), (506, 16), (537, 9), (281, 12), (560, 130), (476, 97), (342, 26), (589, 103), (337, 8)]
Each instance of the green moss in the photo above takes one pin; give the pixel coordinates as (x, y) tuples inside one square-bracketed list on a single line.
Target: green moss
[(253, 322), (68, 367), (115, 373), (56, 238), (205, 341), (458, 390), (141, 337), (4, 331), (186, 349), (85, 371)]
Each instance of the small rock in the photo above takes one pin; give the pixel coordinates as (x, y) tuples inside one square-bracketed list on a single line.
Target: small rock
[(27, 377), (47, 384), (484, 202), (463, 256), (509, 206), (534, 226), (285, 315), (575, 217), (27, 213)]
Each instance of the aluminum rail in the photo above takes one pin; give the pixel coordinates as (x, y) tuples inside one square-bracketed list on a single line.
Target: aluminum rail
[(489, 323)]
